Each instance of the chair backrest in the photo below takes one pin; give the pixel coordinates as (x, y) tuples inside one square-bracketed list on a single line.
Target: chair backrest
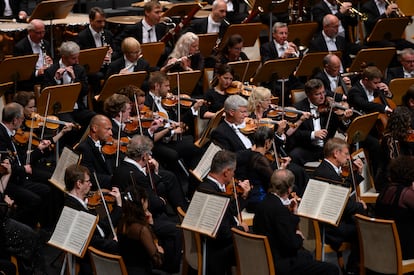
[(192, 246), (297, 95), (252, 246), (379, 245), (105, 263), (212, 124)]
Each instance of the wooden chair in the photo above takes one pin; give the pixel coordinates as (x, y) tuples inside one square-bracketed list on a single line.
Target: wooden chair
[(327, 248), (193, 256), (105, 263), (380, 247), (212, 124), (250, 246), (297, 95)]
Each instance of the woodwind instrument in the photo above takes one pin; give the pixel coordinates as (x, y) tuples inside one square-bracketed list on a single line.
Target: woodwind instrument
[(44, 54)]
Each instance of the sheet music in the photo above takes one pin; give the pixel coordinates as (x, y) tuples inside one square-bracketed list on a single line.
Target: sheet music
[(203, 167), (67, 158)]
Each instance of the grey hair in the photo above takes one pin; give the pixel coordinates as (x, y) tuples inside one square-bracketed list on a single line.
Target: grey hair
[(138, 146), (182, 47), (69, 48), (278, 25), (234, 102)]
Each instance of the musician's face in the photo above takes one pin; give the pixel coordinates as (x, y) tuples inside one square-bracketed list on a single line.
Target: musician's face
[(85, 185), (225, 81), (37, 34), (265, 103), (134, 54), (30, 108), (126, 112), (17, 122), (153, 17), (342, 156), (164, 88), (234, 52), (71, 59), (317, 97), (371, 85), (219, 12), (238, 116), (333, 67), (98, 23), (281, 35), (408, 62), (331, 30), (104, 130), (194, 47)]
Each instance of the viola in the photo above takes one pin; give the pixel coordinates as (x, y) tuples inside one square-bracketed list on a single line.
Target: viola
[(132, 125), (250, 126), (52, 122), (22, 138), (94, 198), (111, 145), (230, 188), (244, 90), (172, 101), (383, 118)]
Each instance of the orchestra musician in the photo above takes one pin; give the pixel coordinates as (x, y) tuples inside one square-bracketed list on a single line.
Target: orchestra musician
[(34, 43), (232, 50), (220, 256), (215, 22), (118, 108), (280, 48), (31, 196), (336, 153), (78, 184), (13, 9), (309, 138), (141, 169), (274, 220), (406, 70), (408, 101), (137, 242), (95, 36)]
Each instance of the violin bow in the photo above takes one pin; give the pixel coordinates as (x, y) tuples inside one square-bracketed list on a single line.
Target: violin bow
[(44, 122), (245, 71), (150, 176), (29, 144), (138, 114), (331, 107), (105, 206), (353, 180), (178, 102), (276, 155), (118, 146), (239, 217)]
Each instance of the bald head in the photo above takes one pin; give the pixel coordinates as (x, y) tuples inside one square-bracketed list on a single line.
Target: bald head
[(330, 25), (219, 10), (100, 128), (36, 30), (332, 64)]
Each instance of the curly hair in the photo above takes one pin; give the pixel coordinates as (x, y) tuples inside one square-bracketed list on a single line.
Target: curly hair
[(399, 122), (132, 206), (182, 47), (401, 170)]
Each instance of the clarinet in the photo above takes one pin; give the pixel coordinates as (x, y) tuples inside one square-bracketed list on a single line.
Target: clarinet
[(105, 44), (44, 54)]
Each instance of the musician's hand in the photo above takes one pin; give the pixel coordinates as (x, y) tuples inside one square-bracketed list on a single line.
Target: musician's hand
[(347, 81), (67, 128), (285, 162), (384, 87), (345, 7), (8, 200), (245, 227), (359, 164), (124, 71), (348, 113), (59, 73), (115, 192), (148, 216), (298, 232), (70, 72), (6, 164), (155, 124), (28, 169), (178, 130), (245, 185), (393, 7), (186, 63), (292, 50), (293, 205), (44, 144), (153, 164), (281, 126), (364, 205), (305, 116), (159, 248), (321, 134), (49, 61), (198, 104)]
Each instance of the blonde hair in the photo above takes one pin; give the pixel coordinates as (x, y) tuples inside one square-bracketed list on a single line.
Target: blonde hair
[(182, 47), (258, 94), (130, 44)]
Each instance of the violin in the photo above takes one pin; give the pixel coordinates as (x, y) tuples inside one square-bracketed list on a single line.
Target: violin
[(290, 113), (52, 122), (244, 90), (132, 125), (383, 118), (111, 145), (410, 136), (22, 138), (94, 198), (172, 100), (339, 108), (230, 189)]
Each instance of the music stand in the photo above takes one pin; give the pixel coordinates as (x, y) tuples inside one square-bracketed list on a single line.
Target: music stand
[(245, 69), (382, 57), (250, 31), (52, 9), (360, 128), (118, 81), (18, 68), (206, 43), (188, 81), (398, 87), (181, 9), (62, 98), (388, 29), (312, 61), (152, 52), (92, 59), (301, 34), (407, 7), (276, 69)]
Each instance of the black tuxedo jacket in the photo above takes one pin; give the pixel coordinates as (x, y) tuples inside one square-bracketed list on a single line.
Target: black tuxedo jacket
[(15, 5), (302, 136), (275, 221), (396, 72), (92, 159), (318, 44), (97, 241), (371, 10), (321, 75), (226, 138), (268, 51), (358, 99), (80, 76), (85, 39), (200, 25), (23, 47)]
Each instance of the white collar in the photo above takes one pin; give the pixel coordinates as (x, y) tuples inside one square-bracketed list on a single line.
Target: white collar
[(146, 26), (220, 186), (84, 203), (9, 132), (136, 164), (327, 38), (338, 170)]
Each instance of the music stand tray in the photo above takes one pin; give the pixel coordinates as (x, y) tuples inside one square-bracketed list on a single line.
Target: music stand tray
[(407, 7), (62, 98), (301, 34), (18, 68), (282, 68), (398, 87), (152, 52), (92, 59), (360, 127), (245, 69), (181, 9), (382, 57), (52, 9), (312, 61), (118, 81), (188, 81), (388, 29), (207, 42), (250, 31)]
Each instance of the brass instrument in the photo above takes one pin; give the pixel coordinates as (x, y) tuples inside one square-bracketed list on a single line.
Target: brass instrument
[(355, 12), (398, 12)]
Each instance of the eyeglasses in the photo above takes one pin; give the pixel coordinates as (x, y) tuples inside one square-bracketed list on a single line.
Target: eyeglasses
[(39, 32), (407, 61)]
